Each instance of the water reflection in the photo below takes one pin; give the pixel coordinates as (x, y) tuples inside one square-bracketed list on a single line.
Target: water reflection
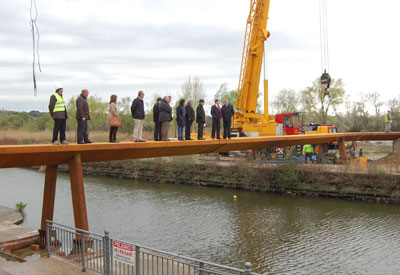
[(278, 234)]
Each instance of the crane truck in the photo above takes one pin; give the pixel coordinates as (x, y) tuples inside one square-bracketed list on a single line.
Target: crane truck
[(246, 122)]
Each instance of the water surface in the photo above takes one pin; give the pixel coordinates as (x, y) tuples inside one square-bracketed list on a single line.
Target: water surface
[(277, 234)]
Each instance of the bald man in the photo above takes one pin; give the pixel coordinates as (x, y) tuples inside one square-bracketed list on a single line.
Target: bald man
[(82, 116)]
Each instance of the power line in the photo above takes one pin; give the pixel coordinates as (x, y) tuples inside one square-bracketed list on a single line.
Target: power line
[(35, 42)]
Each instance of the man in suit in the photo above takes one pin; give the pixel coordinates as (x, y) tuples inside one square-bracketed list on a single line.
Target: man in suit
[(200, 119), (189, 118), (227, 113), (157, 124), (216, 119)]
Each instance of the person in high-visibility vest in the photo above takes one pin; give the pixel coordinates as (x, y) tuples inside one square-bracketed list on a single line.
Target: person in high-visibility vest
[(388, 121), (308, 152), (58, 112)]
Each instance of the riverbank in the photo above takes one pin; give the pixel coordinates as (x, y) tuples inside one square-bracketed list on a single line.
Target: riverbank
[(13, 236), (346, 182)]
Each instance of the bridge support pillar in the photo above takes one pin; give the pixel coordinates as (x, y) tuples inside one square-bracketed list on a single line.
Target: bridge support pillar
[(78, 192), (49, 195), (323, 148), (343, 158), (396, 146)]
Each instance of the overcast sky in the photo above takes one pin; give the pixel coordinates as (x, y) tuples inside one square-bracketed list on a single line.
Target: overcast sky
[(122, 46)]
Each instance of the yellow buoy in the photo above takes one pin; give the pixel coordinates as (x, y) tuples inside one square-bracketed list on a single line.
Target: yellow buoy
[(234, 197)]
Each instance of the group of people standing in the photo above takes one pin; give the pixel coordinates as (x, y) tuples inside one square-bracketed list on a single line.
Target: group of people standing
[(185, 116), (162, 116)]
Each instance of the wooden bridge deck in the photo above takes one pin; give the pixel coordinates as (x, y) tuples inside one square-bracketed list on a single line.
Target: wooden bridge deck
[(34, 155)]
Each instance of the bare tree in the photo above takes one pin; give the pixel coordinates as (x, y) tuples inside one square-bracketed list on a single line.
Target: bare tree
[(373, 98), (394, 106), (193, 89)]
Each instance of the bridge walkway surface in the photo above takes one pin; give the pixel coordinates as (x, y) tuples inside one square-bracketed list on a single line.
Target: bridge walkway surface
[(74, 155), (47, 154)]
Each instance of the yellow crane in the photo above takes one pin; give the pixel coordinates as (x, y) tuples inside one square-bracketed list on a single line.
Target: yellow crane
[(246, 121)]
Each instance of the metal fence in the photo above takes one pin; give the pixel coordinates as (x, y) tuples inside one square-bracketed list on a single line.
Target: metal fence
[(109, 256)]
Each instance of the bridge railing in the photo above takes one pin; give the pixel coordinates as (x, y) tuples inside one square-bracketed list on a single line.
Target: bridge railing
[(105, 255)]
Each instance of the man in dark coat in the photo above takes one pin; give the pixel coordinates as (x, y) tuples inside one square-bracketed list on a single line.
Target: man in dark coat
[(227, 112), (165, 117), (216, 119), (58, 112), (137, 110), (189, 116), (157, 124), (200, 119), (82, 116)]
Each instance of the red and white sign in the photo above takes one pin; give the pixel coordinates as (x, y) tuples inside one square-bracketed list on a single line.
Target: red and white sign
[(123, 252)]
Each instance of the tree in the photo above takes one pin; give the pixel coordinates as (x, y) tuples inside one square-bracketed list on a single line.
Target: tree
[(286, 101), (394, 106), (192, 89), (98, 113), (373, 98), (223, 93), (319, 102), (124, 105)]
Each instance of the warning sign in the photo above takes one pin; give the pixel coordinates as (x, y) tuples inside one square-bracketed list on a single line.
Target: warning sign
[(123, 252)]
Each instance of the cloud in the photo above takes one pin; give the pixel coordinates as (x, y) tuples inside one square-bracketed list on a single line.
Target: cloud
[(123, 46)]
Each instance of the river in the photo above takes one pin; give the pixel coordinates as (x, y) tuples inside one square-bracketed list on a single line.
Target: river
[(277, 234)]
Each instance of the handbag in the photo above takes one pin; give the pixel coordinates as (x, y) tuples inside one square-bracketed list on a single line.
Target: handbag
[(115, 121)]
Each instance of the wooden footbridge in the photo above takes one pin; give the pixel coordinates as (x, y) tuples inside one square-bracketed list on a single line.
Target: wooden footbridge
[(74, 155)]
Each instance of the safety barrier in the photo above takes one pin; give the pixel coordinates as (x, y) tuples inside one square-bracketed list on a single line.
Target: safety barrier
[(109, 256)]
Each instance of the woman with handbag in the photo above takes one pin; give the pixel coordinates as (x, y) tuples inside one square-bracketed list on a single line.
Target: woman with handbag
[(114, 121)]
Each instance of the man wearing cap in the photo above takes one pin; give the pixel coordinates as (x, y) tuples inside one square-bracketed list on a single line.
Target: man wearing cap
[(58, 112)]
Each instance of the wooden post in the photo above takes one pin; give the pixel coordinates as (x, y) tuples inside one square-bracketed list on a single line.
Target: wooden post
[(49, 195), (323, 148), (78, 192), (396, 146), (343, 158)]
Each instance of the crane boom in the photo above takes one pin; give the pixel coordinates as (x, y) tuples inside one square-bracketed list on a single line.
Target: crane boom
[(246, 119)]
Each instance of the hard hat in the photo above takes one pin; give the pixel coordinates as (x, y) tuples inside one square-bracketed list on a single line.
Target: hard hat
[(58, 86)]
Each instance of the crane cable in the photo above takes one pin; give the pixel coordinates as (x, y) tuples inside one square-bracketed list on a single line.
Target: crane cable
[(35, 30), (323, 24)]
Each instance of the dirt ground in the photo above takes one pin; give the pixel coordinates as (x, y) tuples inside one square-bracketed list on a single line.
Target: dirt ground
[(42, 266)]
